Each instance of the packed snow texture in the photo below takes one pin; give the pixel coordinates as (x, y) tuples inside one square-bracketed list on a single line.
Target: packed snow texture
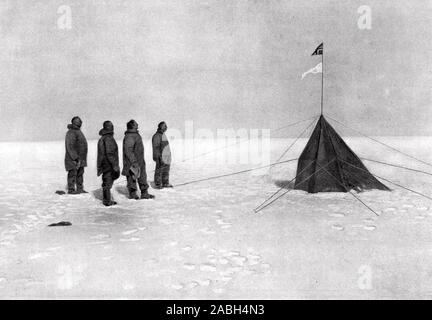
[(203, 240)]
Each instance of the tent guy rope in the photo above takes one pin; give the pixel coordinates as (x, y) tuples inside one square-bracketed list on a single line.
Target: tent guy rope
[(394, 183), (245, 140), (350, 192), (259, 208), (234, 173), (380, 142)]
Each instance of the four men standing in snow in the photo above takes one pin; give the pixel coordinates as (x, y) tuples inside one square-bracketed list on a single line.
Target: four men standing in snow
[(162, 157), (75, 157), (107, 161), (134, 166)]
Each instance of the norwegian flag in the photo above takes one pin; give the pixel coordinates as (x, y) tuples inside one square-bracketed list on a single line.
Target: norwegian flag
[(318, 51)]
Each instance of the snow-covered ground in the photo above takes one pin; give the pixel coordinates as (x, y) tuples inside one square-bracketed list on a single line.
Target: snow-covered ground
[(204, 240)]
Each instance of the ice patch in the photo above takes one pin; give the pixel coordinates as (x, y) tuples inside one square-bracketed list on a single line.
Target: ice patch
[(189, 266), (233, 253), (220, 221), (239, 260), (253, 259), (128, 286), (133, 239), (166, 221), (97, 243), (178, 286), (338, 227), (53, 248), (234, 269), (207, 267), (100, 236), (128, 232), (227, 273), (39, 255), (212, 258), (192, 285), (205, 282), (408, 205), (336, 215), (207, 231), (369, 227), (248, 272)]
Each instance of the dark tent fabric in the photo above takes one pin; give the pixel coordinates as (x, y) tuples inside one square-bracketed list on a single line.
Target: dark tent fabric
[(327, 164)]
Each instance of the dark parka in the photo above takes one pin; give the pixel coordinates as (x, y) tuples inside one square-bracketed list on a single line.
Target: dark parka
[(107, 157), (133, 151), (161, 148), (76, 148)]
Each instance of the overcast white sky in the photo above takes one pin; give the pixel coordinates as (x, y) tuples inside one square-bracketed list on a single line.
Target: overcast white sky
[(220, 63)]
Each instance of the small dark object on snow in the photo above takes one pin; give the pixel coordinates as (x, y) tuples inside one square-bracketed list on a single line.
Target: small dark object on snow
[(60, 192), (60, 224)]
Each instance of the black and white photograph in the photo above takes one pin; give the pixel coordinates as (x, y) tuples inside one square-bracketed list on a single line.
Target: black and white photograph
[(215, 150)]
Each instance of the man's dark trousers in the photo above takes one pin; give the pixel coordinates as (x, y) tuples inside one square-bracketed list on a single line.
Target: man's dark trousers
[(75, 177), (161, 176)]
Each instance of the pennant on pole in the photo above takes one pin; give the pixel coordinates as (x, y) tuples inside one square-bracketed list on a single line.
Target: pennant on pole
[(319, 50), (316, 69)]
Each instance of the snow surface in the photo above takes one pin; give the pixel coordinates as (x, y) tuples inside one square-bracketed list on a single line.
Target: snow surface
[(204, 241)]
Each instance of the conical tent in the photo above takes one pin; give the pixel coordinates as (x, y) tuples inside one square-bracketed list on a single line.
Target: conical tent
[(327, 164)]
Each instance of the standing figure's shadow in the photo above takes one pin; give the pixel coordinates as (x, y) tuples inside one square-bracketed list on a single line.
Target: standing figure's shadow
[(122, 190), (98, 194)]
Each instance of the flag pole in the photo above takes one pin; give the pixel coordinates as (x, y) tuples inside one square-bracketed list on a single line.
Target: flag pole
[(322, 78)]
